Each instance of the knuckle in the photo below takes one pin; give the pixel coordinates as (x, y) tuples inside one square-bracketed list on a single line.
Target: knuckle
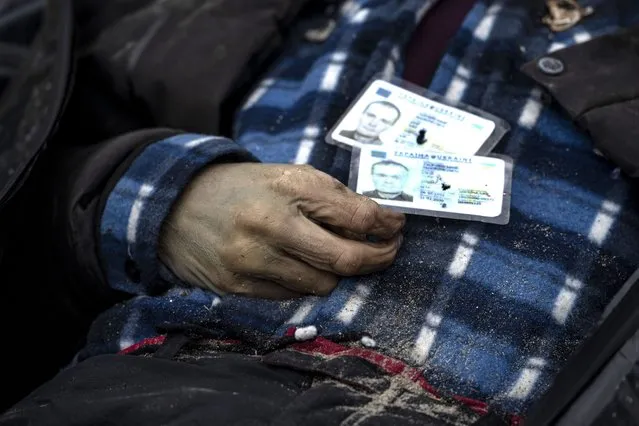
[(347, 263), (285, 183), (253, 219), (296, 179), (304, 178), (390, 260), (365, 214)]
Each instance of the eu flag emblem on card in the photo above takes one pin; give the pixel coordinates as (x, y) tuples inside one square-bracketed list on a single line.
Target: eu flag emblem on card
[(383, 92)]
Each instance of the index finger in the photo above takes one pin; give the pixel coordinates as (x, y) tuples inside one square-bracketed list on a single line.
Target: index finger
[(332, 203)]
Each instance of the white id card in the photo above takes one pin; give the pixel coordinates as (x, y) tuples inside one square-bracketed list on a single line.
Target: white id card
[(434, 183), (393, 117)]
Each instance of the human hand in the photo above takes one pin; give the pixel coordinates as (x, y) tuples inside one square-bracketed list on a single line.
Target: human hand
[(275, 231)]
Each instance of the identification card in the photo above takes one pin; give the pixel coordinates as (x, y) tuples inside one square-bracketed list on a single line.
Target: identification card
[(391, 116), (435, 183)]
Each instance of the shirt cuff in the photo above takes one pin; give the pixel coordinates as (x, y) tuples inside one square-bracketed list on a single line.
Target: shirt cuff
[(141, 200)]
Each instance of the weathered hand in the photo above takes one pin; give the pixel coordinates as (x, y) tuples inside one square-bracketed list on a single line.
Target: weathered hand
[(275, 231)]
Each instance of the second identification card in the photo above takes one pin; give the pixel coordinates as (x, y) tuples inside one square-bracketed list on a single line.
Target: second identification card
[(434, 183), (390, 116)]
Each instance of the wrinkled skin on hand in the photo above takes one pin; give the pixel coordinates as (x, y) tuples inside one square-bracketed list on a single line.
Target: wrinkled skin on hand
[(275, 231)]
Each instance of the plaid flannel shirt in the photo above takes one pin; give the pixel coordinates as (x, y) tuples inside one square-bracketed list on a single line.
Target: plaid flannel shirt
[(486, 311)]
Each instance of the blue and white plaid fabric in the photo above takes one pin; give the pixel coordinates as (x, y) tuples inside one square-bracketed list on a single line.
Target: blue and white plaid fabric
[(489, 312)]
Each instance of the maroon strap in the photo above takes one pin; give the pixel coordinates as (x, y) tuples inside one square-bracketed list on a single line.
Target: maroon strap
[(431, 37)]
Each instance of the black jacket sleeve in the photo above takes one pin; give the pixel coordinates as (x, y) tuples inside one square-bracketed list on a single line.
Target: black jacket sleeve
[(52, 282), (597, 84)]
